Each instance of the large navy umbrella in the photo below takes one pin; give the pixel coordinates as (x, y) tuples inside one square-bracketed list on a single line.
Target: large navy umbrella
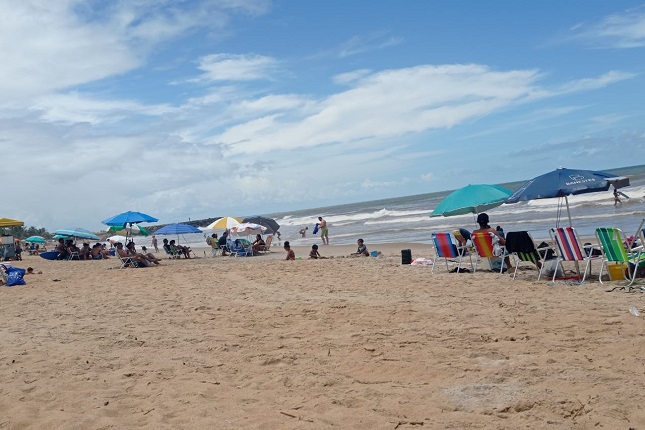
[(271, 224), (562, 183)]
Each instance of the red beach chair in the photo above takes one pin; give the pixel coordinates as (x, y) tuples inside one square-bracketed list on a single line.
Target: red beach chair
[(483, 243), (444, 248), (569, 249)]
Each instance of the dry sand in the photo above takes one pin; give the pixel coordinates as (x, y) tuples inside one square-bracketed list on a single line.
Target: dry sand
[(348, 343)]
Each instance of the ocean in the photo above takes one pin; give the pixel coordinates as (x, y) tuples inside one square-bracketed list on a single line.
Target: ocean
[(406, 219)]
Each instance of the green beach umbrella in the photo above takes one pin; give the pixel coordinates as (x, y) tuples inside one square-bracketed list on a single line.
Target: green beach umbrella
[(130, 230), (471, 199)]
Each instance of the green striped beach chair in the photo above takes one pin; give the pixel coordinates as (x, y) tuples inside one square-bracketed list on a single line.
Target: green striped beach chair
[(520, 245), (616, 249)]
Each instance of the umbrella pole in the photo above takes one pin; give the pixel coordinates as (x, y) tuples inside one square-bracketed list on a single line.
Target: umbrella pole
[(566, 200)]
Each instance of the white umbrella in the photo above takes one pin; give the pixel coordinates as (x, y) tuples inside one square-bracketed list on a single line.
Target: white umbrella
[(117, 238), (247, 228)]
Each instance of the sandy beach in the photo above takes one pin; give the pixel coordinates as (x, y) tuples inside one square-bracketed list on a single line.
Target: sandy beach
[(348, 343)]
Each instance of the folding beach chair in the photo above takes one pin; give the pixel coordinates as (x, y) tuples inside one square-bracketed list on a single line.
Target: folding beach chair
[(569, 249), (126, 261), (483, 243), (616, 249), (267, 243), (520, 245), (172, 253), (444, 248), (215, 248)]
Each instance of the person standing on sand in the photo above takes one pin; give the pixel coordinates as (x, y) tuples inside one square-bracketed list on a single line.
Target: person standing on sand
[(324, 232), (154, 243)]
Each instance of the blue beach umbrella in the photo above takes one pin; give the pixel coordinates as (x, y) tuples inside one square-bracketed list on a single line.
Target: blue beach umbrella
[(130, 218), (126, 219), (35, 239), (178, 229), (562, 183), (76, 232), (471, 199)]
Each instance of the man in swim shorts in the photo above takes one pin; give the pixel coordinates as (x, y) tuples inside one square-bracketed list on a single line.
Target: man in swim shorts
[(324, 233)]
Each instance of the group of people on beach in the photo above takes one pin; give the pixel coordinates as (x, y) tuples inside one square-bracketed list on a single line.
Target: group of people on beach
[(222, 244), (67, 249), (314, 254)]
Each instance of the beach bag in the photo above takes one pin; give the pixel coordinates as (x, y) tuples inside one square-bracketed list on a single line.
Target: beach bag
[(590, 250), (497, 264), (15, 276), (546, 252), (551, 266)]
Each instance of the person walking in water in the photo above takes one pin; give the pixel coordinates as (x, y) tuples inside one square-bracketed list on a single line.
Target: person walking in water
[(324, 232), (617, 200)]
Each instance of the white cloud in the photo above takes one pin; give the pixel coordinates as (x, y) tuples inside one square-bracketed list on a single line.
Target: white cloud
[(77, 108), (388, 103), (364, 43), (586, 84), (49, 46), (231, 67), (43, 46), (623, 30), (350, 77)]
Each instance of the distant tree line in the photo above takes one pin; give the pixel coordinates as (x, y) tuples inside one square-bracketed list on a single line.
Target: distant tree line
[(25, 232)]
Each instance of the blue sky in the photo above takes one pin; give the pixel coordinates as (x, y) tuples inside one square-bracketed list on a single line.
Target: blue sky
[(193, 109)]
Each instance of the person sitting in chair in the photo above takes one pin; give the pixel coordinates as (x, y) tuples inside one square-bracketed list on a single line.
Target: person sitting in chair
[(96, 253), (86, 252), (150, 256), (222, 243), (483, 220), (178, 249), (137, 258), (258, 245), (62, 250)]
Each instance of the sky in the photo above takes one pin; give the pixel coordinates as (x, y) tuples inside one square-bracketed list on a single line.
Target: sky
[(196, 109)]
